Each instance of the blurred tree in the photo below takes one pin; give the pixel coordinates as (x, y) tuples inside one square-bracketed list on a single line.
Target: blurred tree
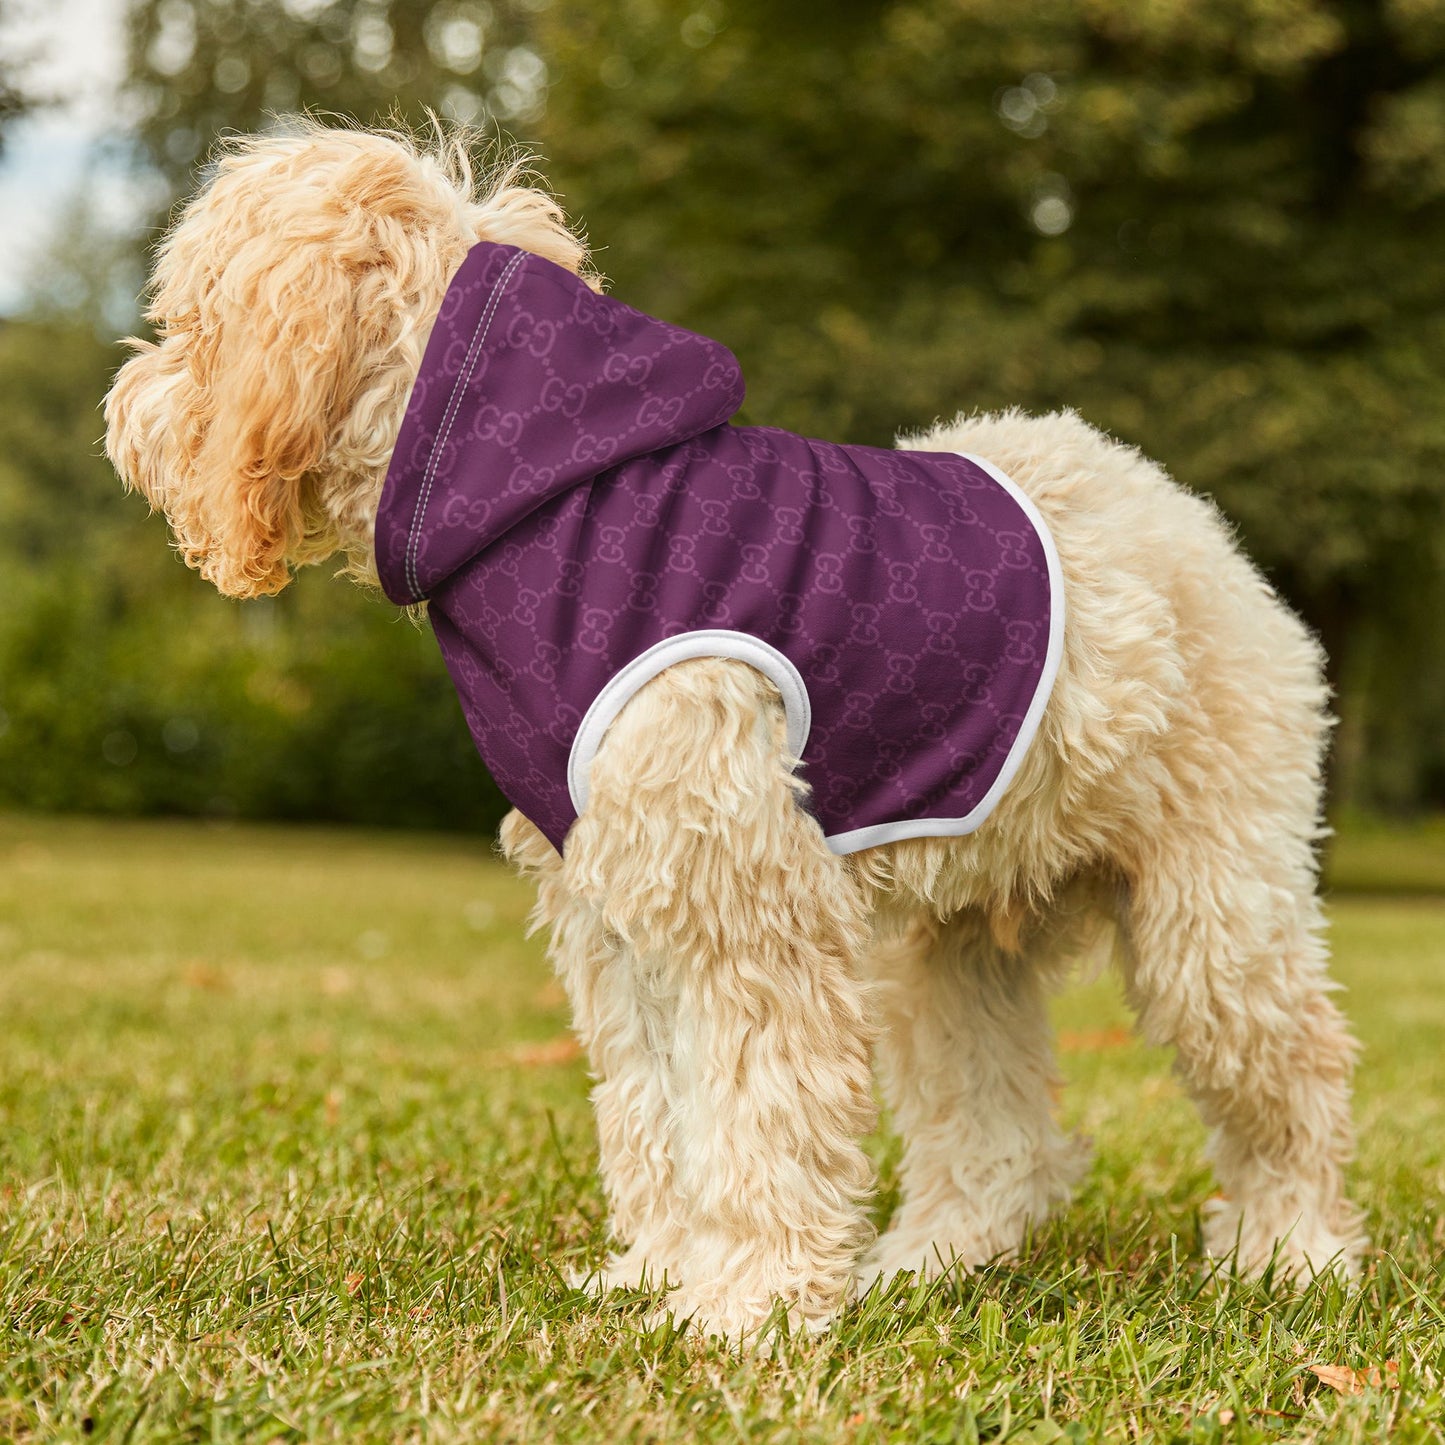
[(127, 685), (58, 495), (1216, 227), (15, 96), (202, 67)]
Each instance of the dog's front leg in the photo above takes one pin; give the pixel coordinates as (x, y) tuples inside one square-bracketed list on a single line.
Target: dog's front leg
[(736, 933), (622, 1016)]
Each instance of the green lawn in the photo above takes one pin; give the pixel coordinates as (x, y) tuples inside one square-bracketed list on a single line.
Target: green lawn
[(292, 1147)]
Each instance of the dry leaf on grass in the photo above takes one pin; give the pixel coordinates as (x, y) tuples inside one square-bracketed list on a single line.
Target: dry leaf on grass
[(560, 1050), (551, 995), (202, 975), (335, 982), (1102, 1039), (1347, 1381)]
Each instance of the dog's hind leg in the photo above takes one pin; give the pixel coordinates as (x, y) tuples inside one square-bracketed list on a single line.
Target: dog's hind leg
[(741, 930), (1224, 949), (966, 1060), (1225, 960)]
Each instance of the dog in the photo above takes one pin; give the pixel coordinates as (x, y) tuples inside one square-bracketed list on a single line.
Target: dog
[(733, 961)]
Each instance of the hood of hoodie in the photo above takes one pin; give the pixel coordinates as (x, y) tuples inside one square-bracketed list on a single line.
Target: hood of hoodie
[(531, 385)]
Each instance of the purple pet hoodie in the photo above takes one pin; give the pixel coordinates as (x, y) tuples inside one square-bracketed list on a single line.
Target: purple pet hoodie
[(569, 497)]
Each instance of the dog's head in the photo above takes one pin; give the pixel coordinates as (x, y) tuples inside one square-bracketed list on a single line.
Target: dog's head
[(292, 300)]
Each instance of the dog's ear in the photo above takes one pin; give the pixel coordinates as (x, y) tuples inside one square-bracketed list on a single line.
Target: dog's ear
[(221, 423), (276, 350)]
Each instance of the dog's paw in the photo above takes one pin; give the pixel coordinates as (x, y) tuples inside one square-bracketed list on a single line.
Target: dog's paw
[(753, 1324), (632, 1270), (957, 1243), (966, 1228), (1298, 1245), (897, 1254)]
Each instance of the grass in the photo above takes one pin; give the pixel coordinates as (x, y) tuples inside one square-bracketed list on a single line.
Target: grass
[(1397, 858), (292, 1147)]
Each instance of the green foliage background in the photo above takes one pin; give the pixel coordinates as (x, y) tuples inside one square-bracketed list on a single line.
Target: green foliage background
[(1215, 228)]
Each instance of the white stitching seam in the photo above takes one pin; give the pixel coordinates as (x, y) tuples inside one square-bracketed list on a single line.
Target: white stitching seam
[(474, 350)]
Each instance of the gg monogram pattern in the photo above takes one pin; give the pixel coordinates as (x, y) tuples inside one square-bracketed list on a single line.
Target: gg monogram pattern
[(568, 493)]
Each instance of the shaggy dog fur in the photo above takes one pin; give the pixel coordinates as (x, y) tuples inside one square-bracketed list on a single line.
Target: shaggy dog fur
[(729, 976)]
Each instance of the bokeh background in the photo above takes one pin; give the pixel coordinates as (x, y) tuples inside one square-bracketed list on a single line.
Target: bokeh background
[(1214, 227)]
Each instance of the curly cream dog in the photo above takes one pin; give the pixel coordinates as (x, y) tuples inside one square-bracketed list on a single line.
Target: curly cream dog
[(731, 976)]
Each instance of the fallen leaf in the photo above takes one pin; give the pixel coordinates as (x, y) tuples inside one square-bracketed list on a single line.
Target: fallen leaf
[(560, 1050), (335, 982), (551, 995), (1347, 1381), (1096, 1041), (202, 975)]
